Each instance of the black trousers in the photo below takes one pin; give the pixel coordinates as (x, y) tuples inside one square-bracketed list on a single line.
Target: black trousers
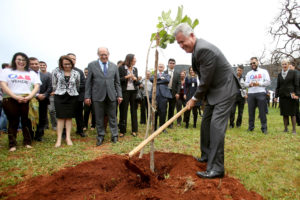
[(79, 116), (43, 110), (239, 103), (298, 114), (187, 114), (129, 97), (161, 110), (179, 104), (257, 100), (172, 104), (87, 110), (212, 136), (14, 111), (144, 110)]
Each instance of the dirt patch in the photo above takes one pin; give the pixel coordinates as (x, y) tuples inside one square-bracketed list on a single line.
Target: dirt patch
[(110, 178)]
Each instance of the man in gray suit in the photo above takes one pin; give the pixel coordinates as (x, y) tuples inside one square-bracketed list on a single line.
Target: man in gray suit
[(219, 86), (103, 88)]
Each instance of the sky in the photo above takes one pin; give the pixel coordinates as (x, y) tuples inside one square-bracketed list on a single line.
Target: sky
[(48, 29)]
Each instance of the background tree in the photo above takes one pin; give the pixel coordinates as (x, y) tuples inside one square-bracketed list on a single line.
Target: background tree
[(285, 30)]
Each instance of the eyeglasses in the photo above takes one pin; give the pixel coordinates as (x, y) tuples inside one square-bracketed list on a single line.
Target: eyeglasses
[(253, 63), (21, 60), (172, 63), (103, 55)]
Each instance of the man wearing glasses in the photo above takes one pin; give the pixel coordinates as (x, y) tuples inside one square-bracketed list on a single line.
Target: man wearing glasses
[(103, 88), (257, 80)]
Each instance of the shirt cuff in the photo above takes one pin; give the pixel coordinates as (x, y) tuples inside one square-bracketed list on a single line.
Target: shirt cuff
[(194, 98)]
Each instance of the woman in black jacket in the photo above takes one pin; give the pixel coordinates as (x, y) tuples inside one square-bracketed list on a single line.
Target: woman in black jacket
[(288, 91), (190, 88), (129, 84)]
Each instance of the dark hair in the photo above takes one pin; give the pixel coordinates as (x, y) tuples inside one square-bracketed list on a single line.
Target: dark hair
[(32, 58), (71, 54), (253, 58), (128, 60), (43, 62), (13, 61), (293, 63), (61, 59), (120, 61), (171, 59), (241, 67), (86, 68), (4, 65)]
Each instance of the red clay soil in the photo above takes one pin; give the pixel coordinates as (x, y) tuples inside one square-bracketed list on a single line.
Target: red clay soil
[(110, 177)]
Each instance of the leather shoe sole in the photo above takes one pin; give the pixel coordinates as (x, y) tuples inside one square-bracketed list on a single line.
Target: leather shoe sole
[(201, 160), (99, 141), (210, 174), (114, 140)]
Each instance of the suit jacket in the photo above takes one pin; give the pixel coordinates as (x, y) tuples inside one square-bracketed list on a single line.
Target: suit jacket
[(97, 85), (288, 85), (218, 81), (46, 87), (175, 82), (82, 84), (123, 71), (162, 85)]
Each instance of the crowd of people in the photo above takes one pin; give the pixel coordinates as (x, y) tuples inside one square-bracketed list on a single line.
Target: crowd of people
[(105, 91)]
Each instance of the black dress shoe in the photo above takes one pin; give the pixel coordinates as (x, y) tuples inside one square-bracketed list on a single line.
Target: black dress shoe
[(202, 160), (82, 134), (100, 140), (114, 139), (210, 174), (264, 132)]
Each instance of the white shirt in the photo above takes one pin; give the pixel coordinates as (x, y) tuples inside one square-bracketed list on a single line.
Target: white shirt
[(19, 82), (261, 76)]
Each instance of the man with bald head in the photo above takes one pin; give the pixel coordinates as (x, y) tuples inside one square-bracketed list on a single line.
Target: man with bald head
[(103, 88)]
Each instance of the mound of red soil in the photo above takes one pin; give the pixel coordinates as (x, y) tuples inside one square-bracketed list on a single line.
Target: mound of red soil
[(111, 177)]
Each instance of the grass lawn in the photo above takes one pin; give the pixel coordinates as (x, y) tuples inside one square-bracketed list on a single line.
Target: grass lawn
[(268, 164)]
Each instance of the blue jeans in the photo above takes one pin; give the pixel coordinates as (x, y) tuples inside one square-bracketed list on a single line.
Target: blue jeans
[(3, 121)]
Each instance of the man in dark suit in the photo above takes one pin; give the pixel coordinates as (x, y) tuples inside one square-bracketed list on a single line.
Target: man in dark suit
[(79, 106), (173, 86), (42, 96), (162, 94), (103, 88), (219, 86)]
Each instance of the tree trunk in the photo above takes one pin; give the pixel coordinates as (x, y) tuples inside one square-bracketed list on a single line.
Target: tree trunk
[(148, 101), (152, 165)]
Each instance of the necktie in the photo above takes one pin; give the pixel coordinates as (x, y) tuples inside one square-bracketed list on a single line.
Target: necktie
[(104, 69)]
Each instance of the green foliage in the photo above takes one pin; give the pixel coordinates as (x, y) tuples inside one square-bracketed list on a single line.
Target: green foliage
[(166, 26)]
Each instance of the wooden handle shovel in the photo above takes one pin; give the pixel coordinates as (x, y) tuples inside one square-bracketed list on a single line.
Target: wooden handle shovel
[(157, 132)]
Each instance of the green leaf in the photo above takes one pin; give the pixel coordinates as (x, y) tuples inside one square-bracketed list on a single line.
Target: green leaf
[(195, 23), (160, 25), (179, 14), (153, 36), (162, 33), (187, 20)]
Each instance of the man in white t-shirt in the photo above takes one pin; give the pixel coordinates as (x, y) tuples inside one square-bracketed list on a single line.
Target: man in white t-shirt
[(257, 80)]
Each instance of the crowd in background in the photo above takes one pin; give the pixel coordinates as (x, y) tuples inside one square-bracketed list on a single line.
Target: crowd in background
[(105, 91)]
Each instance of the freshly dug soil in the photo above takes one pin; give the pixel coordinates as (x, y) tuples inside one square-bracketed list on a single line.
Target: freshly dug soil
[(110, 177)]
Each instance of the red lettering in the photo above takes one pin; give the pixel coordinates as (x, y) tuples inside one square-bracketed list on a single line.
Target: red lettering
[(20, 77), (259, 76), (255, 77), (27, 78)]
